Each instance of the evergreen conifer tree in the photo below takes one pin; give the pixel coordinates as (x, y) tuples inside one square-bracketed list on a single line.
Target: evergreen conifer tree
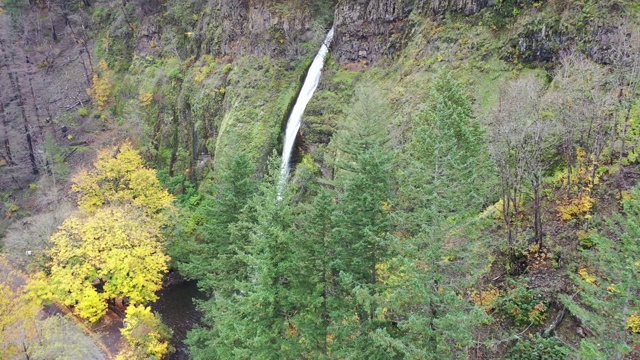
[(446, 166), (315, 278), (361, 223), (211, 257), (442, 185), (606, 301), (251, 319)]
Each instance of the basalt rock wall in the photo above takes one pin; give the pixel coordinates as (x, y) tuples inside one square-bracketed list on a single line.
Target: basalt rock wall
[(368, 30)]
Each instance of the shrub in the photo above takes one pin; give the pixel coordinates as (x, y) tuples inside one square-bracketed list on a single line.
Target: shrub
[(586, 239), (101, 89), (588, 278), (486, 299), (145, 331), (633, 322), (538, 348), (524, 306)]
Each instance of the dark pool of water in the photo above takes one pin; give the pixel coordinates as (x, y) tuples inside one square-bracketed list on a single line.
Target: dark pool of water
[(176, 306)]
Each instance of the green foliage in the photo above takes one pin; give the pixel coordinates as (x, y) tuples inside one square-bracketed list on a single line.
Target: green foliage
[(524, 306), (363, 162), (116, 45), (55, 158), (361, 224), (607, 295), (351, 288), (83, 111), (247, 317), (323, 11), (214, 241), (179, 185), (255, 128), (502, 13), (446, 158), (538, 348), (13, 8), (586, 239)]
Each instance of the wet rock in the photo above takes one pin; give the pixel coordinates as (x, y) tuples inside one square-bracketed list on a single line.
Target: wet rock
[(538, 42)]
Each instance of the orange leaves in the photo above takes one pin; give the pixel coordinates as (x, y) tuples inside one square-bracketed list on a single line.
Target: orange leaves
[(486, 299)]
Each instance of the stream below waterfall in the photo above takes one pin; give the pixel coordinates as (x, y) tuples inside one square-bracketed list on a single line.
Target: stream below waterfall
[(178, 311)]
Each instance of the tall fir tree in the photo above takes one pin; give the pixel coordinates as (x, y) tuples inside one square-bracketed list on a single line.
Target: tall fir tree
[(361, 221), (215, 235), (445, 165), (252, 320), (316, 276), (442, 186)]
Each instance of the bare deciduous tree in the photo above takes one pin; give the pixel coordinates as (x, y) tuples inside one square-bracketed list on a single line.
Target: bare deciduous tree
[(581, 103), (519, 136)]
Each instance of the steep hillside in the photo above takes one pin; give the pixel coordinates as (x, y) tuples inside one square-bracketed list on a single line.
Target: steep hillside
[(462, 162)]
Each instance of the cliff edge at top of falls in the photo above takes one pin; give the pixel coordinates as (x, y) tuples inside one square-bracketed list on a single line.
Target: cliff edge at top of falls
[(366, 30)]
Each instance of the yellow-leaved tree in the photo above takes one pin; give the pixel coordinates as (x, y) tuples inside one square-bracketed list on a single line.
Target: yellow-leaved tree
[(118, 178), (146, 332), (100, 90), (111, 249)]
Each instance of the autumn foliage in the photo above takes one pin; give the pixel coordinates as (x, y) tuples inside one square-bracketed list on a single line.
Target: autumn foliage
[(111, 249), (101, 87), (146, 332)]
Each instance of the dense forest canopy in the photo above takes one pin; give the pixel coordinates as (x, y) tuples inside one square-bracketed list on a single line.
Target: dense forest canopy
[(464, 183)]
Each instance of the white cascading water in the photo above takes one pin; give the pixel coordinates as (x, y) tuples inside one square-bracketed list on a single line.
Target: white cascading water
[(293, 124)]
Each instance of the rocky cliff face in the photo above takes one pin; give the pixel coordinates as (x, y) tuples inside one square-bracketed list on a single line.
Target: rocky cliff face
[(370, 29), (467, 7), (263, 27), (367, 30), (257, 27)]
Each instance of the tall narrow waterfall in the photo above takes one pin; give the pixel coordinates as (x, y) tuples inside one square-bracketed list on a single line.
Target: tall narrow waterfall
[(293, 124)]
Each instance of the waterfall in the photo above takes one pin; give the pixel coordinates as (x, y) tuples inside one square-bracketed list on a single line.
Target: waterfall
[(293, 124)]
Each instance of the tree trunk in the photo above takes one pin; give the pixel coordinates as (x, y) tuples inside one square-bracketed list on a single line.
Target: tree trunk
[(537, 216), (15, 84), (40, 127), (54, 36), (7, 144)]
